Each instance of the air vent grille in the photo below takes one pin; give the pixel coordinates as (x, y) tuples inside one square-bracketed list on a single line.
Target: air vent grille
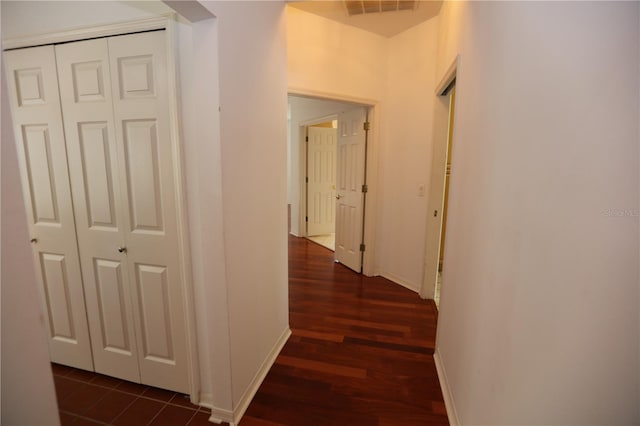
[(360, 7)]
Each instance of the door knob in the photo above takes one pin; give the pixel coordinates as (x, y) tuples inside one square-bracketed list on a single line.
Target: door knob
[(338, 196), (122, 249), (33, 240)]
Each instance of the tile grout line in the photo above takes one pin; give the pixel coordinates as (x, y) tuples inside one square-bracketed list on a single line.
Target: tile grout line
[(125, 409)]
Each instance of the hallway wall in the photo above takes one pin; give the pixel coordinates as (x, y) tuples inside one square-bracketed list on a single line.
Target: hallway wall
[(405, 159), (539, 309), (397, 75)]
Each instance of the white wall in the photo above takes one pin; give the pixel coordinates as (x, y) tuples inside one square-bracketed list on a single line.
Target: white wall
[(302, 110), (326, 57), (28, 395), (253, 101), (397, 74), (405, 155), (539, 303)]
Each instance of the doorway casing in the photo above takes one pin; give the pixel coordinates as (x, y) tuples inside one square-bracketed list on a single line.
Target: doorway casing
[(437, 184), (371, 106)]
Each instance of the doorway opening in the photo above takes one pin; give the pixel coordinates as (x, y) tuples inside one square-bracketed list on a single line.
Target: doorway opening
[(441, 171), (327, 187), (321, 152), (445, 198)]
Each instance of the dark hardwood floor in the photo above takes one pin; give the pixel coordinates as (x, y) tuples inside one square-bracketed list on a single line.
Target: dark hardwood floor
[(361, 351)]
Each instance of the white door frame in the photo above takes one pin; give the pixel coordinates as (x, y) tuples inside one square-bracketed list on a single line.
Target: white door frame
[(371, 162), (167, 23), (440, 139)]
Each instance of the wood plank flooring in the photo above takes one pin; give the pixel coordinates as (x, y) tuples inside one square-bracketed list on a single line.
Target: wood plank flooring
[(360, 354), (361, 351)]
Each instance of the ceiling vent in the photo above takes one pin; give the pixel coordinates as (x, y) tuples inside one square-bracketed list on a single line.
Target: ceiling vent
[(361, 7)]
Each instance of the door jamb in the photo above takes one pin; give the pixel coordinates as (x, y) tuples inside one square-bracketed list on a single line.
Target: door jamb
[(163, 22), (372, 107), (427, 290)]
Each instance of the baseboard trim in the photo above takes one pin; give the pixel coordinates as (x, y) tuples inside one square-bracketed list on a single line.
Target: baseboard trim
[(446, 390), (218, 415), (400, 281), (205, 399), (248, 395)]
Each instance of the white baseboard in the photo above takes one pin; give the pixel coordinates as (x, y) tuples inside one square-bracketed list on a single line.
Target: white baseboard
[(205, 399), (218, 415), (400, 281), (446, 390), (248, 395)]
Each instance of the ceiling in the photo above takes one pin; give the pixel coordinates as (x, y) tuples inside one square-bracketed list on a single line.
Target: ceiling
[(386, 24)]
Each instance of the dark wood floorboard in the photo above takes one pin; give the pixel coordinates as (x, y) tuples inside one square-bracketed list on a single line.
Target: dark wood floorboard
[(360, 354), (361, 351)]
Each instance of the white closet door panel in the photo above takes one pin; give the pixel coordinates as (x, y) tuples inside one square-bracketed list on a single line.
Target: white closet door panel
[(57, 292), (85, 91), (142, 171), (141, 106), (37, 120), (111, 296)]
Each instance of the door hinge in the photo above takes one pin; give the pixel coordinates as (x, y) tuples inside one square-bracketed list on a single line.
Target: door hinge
[(306, 138), (365, 188), (367, 125), (362, 247), (306, 179), (306, 218)]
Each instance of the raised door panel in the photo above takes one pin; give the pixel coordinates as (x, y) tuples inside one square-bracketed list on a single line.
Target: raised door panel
[(37, 121), (40, 174), (112, 307), (85, 90), (59, 309), (143, 175), (97, 174), (138, 65), (155, 314)]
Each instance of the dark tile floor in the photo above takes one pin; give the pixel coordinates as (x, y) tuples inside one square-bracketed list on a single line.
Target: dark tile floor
[(86, 398)]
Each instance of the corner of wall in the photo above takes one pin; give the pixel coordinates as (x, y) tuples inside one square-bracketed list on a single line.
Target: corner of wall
[(446, 390)]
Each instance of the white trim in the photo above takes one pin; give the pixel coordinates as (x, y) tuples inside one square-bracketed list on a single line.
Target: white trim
[(429, 285), (372, 107), (446, 390), (319, 120), (448, 77), (219, 415), (81, 33), (205, 400), (164, 22), (181, 210), (296, 91), (251, 390), (400, 281)]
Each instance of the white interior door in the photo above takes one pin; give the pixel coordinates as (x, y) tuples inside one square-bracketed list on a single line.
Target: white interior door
[(321, 187), (350, 179), (138, 65), (85, 93), (37, 119)]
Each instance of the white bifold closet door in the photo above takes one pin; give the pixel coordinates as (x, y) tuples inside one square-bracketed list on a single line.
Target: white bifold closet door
[(115, 107), (37, 122)]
